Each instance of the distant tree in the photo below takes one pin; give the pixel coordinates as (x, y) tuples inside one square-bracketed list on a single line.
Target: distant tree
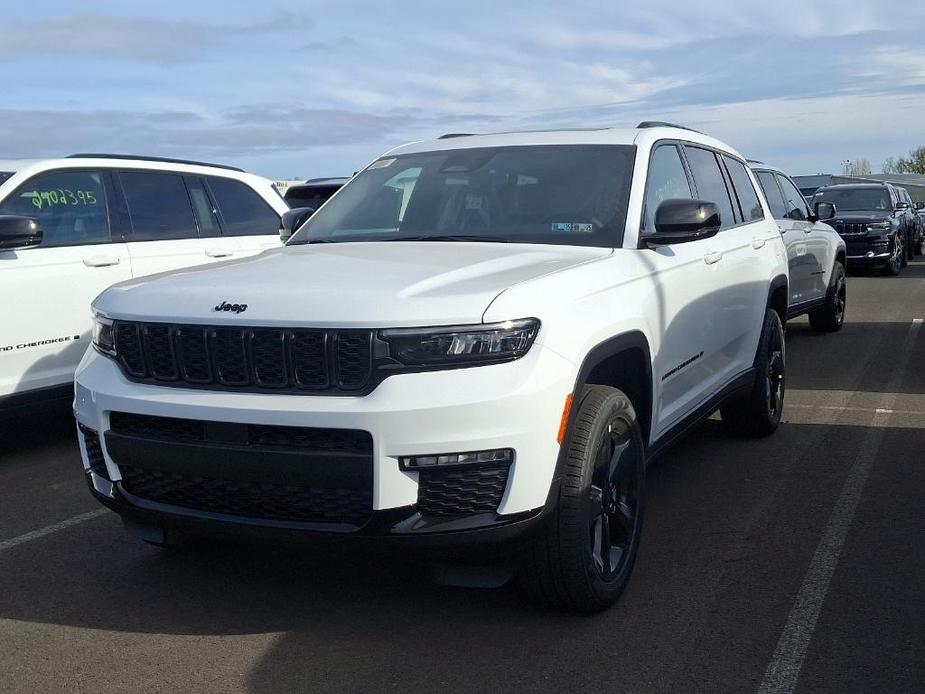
[(858, 167), (913, 164), (890, 165)]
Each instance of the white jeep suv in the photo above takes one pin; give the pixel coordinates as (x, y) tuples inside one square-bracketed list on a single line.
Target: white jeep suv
[(478, 343), (71, 227), (816, 254)]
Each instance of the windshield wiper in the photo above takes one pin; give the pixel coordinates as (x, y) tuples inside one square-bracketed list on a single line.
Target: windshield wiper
[(451, 237)]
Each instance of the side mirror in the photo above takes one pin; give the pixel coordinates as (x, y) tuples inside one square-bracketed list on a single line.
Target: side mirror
[(824, 211), (19, 232), (920, 205), (900, 206), (292, 220), (680, 220)]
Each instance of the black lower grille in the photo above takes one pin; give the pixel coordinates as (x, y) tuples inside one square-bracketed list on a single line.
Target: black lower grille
[(94, 451), (461, 491), (248, 498), (259, 471), (298, 360)]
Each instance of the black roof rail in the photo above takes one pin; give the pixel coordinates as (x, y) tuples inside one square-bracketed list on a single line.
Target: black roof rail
[(324, 179), (664, 124), (449, 136), (163, 160), (755, 161)]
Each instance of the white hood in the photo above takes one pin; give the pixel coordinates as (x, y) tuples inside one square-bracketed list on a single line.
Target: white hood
[(386, 284)]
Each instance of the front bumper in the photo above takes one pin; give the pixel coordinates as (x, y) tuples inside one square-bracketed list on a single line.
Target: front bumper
[(517, 405)]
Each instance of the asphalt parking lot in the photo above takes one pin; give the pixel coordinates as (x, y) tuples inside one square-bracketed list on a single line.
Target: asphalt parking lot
[(797, 561)]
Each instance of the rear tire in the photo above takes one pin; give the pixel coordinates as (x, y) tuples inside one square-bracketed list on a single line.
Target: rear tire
[(759, 412), (831, 315), (583, 557)]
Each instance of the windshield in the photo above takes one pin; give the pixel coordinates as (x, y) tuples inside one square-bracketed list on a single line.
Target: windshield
[(856, 198), (570, 195)]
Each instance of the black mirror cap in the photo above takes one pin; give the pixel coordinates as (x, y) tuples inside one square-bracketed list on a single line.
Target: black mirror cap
[(902, 206), (19, 232), (680, 220), (824, 211), (292, 220), (920, 205)]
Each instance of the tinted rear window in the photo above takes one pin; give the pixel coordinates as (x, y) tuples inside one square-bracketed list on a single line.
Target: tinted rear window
[(310, 197), (5, 175), (711, 185), (243, 212), (745, 191), (772, 193), (158, 205)]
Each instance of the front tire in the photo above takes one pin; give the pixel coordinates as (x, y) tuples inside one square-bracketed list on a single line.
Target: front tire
[(897, 259), (583, 558), (759, 412), (831, 315)]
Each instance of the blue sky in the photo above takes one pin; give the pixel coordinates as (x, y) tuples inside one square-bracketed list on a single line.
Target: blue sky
[(319, 88)]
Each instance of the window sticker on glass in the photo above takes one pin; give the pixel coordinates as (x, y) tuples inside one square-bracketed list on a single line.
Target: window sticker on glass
[(473, 202), (381, 164), (573, 227), (59, 196)]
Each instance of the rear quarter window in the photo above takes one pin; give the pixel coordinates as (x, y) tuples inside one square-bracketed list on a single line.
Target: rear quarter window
[(241, 209)]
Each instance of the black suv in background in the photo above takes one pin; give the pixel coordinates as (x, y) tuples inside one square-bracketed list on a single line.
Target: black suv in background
[(876, 222), (916, 220), (313, 193)]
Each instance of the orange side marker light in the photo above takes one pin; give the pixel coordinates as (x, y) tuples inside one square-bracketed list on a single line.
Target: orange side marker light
[(563, 424)]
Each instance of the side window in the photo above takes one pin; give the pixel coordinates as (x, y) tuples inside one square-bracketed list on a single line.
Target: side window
[(711, 185), (206, 213), (159, 206), (796, 203), (70, 206), (773, 194), (667, 179), (744, 190), (243, 212)]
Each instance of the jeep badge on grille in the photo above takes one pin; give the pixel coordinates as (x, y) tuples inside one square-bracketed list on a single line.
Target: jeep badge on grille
[(234, 308)]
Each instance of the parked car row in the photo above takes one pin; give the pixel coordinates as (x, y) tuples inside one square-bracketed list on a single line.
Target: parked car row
[(878, 221), (475, 347)]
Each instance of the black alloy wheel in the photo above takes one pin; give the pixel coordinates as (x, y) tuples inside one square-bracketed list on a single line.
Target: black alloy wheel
[(614, 503)]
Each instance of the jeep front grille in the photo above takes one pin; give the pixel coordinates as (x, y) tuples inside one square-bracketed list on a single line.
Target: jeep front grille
[(851, 228), (299, 360)]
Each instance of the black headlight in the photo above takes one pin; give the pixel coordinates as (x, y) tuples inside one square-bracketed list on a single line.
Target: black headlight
[(464, 344), (103, 337)]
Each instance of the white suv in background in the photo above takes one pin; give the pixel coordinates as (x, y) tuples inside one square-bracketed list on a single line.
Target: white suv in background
[(478, 343), (816, 254), (71, 227)]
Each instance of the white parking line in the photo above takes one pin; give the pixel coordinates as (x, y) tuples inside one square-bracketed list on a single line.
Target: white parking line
[(871, 410), (787, 662), (48, 530)]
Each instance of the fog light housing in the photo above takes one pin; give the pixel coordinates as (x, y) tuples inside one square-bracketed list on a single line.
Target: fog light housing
[(443, 460)]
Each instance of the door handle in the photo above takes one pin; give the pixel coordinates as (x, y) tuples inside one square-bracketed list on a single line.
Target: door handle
[(218, 253), (758, 243), (712, 257), (101, 261)]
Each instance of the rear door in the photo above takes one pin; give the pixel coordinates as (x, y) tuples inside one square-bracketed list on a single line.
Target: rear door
[(244, 214), (47, 290), (815, 258), (164, 231), (794, 238)]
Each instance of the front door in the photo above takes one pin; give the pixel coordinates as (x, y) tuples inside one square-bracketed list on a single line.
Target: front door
[(45, 319)]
